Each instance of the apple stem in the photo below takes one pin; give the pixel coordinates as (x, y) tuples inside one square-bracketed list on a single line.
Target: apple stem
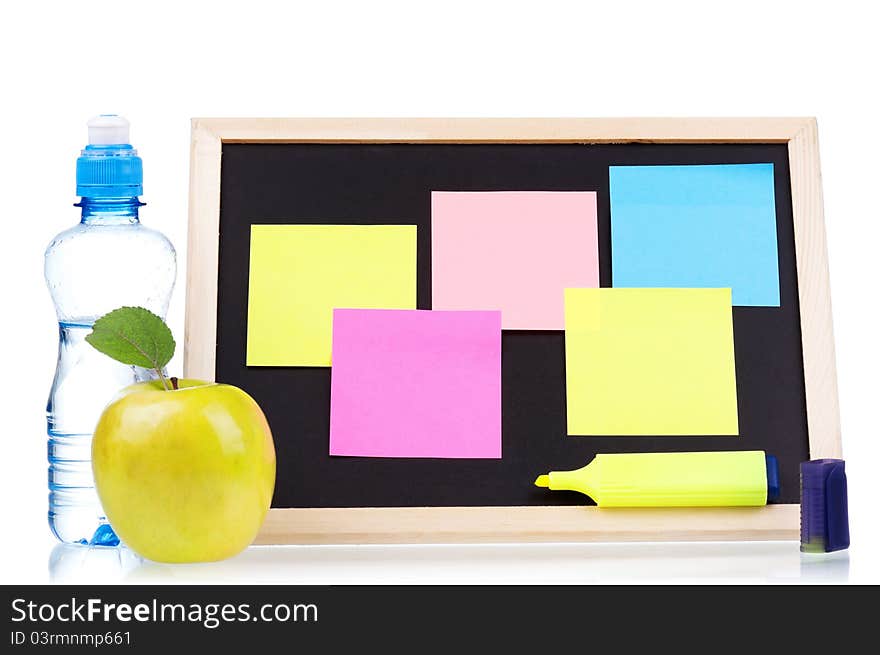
[(162, 377), (174, 383)]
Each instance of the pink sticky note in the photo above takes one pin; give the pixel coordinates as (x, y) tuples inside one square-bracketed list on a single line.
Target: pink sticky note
[(414, 383), (516, 251)]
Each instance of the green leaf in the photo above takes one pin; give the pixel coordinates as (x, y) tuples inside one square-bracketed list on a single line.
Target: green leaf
[(133, 335)]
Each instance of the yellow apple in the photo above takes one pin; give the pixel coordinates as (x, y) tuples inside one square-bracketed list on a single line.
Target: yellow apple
[(184, 475)]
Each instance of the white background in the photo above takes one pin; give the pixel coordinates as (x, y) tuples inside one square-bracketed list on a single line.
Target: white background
[(162, 63)]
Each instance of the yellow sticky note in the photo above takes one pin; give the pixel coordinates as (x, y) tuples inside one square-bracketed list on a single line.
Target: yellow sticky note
[(650, 362), (300, 273)]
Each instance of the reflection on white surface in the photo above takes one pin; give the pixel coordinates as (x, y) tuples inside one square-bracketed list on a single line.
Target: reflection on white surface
[(78, 564), (831, 567), (757, 562)]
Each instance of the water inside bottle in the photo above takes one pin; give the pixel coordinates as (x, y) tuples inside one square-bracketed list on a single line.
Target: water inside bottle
[(85, 381)]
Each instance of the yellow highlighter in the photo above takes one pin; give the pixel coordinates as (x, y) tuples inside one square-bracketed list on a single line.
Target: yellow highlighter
[(713, 479)]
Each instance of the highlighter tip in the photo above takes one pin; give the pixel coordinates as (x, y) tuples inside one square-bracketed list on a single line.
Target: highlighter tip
[(542, 481)]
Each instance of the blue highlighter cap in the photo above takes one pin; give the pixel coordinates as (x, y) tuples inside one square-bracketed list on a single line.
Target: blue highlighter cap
[(824, 510), (772, 478)]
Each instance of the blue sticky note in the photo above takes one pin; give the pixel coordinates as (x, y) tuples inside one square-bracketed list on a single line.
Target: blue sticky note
[(696, 227)]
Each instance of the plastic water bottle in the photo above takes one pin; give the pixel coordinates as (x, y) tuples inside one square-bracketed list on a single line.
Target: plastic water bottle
[(108, 260)]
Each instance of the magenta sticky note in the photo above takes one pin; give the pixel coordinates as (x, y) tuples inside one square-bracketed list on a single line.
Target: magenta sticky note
[(515, 251), (416, 383)]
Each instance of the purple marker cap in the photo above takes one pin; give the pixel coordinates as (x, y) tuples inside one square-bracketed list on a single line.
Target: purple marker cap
[(824, 514)]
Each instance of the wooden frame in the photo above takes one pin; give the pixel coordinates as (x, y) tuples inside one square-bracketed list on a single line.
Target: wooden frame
[(529, 524)]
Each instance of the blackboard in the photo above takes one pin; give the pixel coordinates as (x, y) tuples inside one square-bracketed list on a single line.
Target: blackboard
[(379, 182)]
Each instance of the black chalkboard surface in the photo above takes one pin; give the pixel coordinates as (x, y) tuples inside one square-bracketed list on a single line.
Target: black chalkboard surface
[(389, 183)]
